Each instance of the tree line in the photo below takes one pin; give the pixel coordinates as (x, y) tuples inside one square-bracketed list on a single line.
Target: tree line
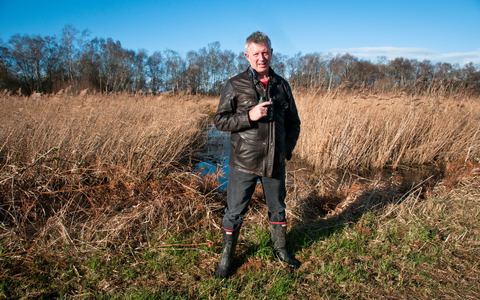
[(48, 64)]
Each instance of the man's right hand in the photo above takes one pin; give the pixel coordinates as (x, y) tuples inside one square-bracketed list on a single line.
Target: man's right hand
[(259, 111)]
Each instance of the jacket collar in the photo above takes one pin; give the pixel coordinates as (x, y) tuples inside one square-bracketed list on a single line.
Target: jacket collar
[(271, 74)]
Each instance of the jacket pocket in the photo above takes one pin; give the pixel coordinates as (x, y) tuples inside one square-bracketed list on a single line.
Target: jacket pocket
[(238, 146)]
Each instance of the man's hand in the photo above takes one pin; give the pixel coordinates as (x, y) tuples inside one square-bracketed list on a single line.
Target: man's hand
[(259, 111)]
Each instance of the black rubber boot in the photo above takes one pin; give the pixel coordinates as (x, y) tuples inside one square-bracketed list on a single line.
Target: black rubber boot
[(228, 253), (279, 238)]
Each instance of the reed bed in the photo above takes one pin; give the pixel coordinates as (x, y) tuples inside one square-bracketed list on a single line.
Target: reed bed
[(142, 134), (83, 168), (98, 199), (91, 168), (361, 130)]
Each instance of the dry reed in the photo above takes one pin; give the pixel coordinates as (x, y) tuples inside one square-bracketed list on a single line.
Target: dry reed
[(93, 172), (137, 133), (341, 131), (78, 169), (109, 168)]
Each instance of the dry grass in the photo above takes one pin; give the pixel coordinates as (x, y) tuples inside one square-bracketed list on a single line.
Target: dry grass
[(142, 134), (92, 168), (78, 169), (415, 246), (341, 131), (93, 184)]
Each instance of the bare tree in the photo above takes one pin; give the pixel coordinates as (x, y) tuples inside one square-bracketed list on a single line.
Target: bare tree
[(47, 64), (68, 51), (278, 63), (194, 72), (139, 69), (242, 62), (333, 68), (155, 71), (174, 67), (27, 53)]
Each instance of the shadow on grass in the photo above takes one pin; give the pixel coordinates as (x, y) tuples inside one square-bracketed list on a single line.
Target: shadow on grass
[(323, 216), (328, 214)]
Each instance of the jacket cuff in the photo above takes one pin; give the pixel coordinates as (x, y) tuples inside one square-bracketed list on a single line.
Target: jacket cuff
[(245, 120)]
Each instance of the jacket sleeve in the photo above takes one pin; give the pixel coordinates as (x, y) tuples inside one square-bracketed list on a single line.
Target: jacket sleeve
[(227, 118), (292, 122)]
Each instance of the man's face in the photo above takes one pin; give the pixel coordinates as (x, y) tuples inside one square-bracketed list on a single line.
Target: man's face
[(259, 56)]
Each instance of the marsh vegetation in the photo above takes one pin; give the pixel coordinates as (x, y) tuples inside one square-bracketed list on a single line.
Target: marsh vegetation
[(99, 199)]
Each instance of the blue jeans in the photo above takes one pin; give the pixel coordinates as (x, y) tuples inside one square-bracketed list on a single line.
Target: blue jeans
[(241, 187)]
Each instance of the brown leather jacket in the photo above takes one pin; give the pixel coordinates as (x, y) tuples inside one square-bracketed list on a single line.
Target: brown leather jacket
[(258, 147)]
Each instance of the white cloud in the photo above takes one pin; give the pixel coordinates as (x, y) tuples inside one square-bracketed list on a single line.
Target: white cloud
[(372, 53)]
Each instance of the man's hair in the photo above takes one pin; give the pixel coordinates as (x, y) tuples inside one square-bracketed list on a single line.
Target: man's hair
[(258, 38)]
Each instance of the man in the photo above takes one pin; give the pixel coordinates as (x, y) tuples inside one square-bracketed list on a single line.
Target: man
[(258, 109)]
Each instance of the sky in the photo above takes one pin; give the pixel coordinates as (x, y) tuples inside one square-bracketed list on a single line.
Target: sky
[(439, 31)]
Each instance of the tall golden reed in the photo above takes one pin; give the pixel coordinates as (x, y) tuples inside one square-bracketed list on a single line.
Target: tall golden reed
[(352, 130), (138, 133), (76, 168)]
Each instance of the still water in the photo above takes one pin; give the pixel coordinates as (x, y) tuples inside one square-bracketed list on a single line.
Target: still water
[(214, 156)]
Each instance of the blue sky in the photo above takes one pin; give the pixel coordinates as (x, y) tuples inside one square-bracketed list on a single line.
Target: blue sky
[(447, 31)]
